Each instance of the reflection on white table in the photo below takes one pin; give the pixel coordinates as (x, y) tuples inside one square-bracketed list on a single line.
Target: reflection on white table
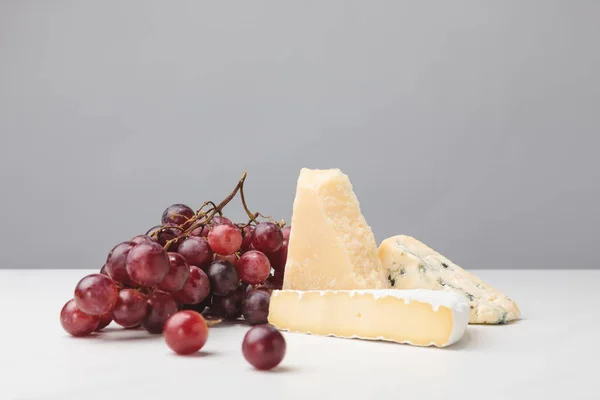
[(543, 354)]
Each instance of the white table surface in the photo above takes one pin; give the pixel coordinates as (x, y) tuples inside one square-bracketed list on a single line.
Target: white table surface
[(553, 351)]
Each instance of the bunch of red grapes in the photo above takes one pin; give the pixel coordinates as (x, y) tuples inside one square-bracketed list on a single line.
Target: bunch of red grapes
[(195, 264)]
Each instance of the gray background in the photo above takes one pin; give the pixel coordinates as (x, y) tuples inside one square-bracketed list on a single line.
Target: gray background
[(470, 125)]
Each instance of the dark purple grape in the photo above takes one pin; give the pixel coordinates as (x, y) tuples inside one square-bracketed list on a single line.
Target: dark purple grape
[(263, 347), (232, 258), (75, 321), (224, 277), (255, 307), (177, 214), (248, 234), (96, 294), (278, 258), (200, 231), (276, 280), (265, 286), (178, 274), (196, 289), (130, 309), (164, 235), (169, 244), (230, 306), (147, 264), (196, 251), (161, 306), (115, 264), (199, 307), (254, 267), (267, 237)]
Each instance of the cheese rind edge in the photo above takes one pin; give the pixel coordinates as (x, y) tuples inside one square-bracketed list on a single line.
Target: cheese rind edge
[(385, 315)]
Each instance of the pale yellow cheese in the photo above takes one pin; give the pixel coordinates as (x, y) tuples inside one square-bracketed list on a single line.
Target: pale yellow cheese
[(417, 317), (410, 264), (331, 245)]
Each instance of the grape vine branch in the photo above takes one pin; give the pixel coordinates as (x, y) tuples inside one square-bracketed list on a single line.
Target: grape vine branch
[(202, 218)]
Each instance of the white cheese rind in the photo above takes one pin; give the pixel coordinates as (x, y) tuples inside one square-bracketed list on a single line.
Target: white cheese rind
[(411, 264), (457, 305)]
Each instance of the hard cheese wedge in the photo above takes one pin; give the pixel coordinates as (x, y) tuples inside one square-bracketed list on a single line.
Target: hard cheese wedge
[(417, 317), (411, 264), (331, 245)]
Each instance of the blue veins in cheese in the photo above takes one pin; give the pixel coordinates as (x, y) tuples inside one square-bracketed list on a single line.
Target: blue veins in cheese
[(410, 264)]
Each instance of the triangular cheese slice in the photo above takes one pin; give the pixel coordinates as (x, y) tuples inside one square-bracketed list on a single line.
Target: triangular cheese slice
[(410, 264), (331, 246)]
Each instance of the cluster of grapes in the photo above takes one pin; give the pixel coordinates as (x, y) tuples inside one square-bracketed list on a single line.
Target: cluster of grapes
[(194, 267)]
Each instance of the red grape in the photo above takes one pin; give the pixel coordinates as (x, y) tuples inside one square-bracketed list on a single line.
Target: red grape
[(232, 258), (96, 294), (254, 267), (164, 235), (220, 220), (115, 263), (224, 277), (267, 237), (255, 306), (160, 308), (276, 280), (142, 239), (286, 232), (76, 322), (248, 234), (225, 239), (263, 347), (130, 309), (105, 320), (103, 270), (147, 264), (278, 258), (196, 289), (201, 231), (196, 251), (230, 306), (177, 214), (186, 332), (178, 274)]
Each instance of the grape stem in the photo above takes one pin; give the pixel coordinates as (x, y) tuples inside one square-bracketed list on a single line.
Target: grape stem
[(206, 203), (213, 322), (164, 228), (207, 216), (250, 215), (253, 216)]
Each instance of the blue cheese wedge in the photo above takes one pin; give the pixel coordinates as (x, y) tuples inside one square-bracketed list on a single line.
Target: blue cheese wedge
[(410, 264)]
